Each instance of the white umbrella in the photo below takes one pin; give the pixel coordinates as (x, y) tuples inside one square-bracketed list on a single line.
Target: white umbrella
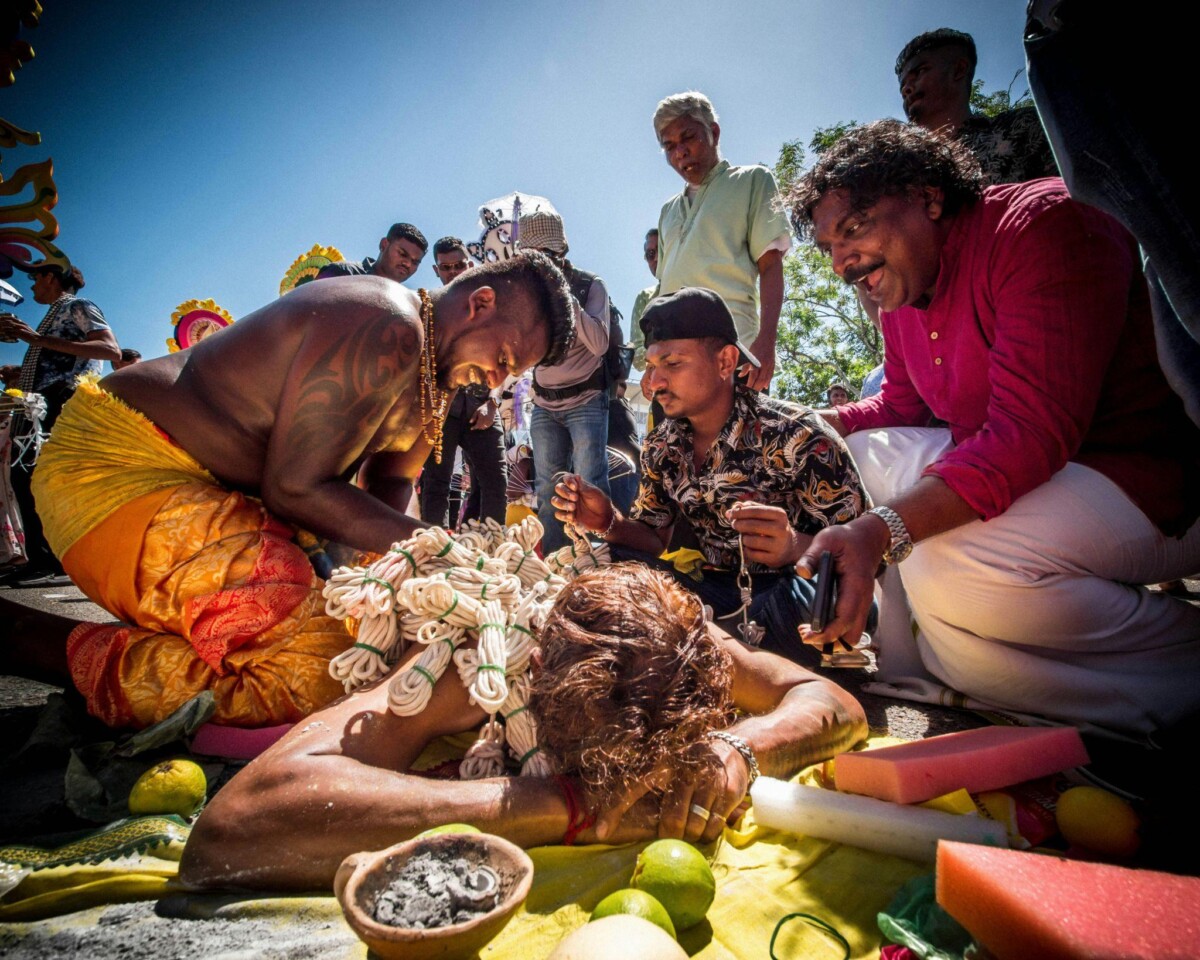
[(10, 294), (498, 220)]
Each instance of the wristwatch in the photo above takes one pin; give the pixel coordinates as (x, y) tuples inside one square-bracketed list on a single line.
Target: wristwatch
[(901, 544)]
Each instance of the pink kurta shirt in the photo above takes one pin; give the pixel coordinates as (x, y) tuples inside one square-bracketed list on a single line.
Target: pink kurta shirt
[(1037, 349)]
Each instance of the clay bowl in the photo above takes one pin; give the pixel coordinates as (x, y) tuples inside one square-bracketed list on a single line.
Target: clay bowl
[(362, 877)]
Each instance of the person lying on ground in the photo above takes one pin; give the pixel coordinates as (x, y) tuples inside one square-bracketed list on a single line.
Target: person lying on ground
[(629, 685)]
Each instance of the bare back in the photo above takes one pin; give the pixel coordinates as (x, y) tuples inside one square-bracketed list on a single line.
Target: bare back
[(294, 396)]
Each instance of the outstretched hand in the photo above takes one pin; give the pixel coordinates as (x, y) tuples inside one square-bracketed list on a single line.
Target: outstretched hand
[(857, 548), (582, 504)]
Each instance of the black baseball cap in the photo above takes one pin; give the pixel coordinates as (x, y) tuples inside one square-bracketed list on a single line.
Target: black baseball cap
[(691, 313)]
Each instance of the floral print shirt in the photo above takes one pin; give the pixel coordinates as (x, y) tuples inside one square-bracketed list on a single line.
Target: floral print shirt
[(1011, 147), (770, 451)]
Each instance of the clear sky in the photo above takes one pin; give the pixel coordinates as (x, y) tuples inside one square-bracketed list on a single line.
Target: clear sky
[(199, 148)]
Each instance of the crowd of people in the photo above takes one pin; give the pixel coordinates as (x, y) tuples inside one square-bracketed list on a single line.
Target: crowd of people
[(992, 499)]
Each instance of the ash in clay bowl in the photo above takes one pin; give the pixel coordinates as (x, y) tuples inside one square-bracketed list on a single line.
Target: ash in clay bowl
[(431, 880)]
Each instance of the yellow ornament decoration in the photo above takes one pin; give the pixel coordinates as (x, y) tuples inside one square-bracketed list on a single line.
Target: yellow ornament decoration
[(306, 266), (194, 320)]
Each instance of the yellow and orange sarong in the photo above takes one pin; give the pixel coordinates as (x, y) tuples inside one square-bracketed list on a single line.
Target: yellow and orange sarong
[(219, 596)]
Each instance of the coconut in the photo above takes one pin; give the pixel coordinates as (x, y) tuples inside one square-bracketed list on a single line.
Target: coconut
[(618, 937)]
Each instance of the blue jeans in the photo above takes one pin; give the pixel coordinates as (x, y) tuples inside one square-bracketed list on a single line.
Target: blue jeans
[(484, 452), (574, 440), (781, 601), (1094, 77)]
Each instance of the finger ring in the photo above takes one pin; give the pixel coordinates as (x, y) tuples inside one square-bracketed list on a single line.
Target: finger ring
[(702, 812)]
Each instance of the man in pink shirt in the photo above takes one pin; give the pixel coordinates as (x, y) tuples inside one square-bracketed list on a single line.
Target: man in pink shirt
[(1068, 471)]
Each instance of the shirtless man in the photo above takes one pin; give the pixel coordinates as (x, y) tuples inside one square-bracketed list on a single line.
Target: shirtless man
[(340, 782), (181, 523)]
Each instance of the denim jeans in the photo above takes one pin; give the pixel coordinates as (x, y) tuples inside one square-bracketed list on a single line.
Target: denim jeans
[(780, 602), (574, 440), (1096, 79), (484, 452)]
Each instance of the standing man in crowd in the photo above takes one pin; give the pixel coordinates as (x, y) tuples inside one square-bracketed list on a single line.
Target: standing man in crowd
[(650, 255), (471, 423), (723, 230), (837, 394), (738, 465), (569, 424), (1068, 472), (400, 253), (935, 72), (73, 339)]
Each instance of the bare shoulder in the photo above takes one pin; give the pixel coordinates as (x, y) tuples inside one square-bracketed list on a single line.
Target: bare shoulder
[(341, 303)]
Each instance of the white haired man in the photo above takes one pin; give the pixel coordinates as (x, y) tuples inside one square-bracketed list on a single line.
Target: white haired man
[(723, 231)]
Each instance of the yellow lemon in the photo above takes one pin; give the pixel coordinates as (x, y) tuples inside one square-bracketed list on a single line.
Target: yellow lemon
[(449, 828), (173, 786), (677, 876), (1097, 820), (635, 903)]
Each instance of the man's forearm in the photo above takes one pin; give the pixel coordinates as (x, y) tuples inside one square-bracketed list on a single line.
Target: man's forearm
[(87, 349), (342, 512), (635, 535), (770, 294)]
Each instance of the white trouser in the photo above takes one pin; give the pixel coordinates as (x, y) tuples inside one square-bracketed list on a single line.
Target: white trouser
[(1040, 610)]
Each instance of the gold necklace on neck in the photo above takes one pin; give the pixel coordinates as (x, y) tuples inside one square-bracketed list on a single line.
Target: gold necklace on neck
[(434, 400)]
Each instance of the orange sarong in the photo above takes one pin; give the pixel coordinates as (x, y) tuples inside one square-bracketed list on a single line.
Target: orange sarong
[(221, 598)]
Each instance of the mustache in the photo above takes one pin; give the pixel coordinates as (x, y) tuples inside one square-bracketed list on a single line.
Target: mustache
[(854, 274)]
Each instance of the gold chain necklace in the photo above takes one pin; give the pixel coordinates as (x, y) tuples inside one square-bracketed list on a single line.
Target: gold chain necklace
[(434, 400)]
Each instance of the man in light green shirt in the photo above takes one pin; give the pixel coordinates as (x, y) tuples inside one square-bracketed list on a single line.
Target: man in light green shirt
[(723, 230)]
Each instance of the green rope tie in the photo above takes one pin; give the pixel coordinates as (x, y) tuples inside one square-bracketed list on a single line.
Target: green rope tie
[(449, 643), (425, 673), (383, 583), (367, 646), (489, 666), (483, 592), (480, 562), (524, 630), (509, 716), (812, 922), (531, 753), (446, 549), (498, 626), (450, 609), (407, 556), (524, 556)]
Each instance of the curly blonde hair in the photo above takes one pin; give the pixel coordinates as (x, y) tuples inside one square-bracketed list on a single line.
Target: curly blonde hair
[(631, 679)]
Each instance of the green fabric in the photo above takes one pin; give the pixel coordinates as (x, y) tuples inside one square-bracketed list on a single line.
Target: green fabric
[(715, 239), (635, 328)]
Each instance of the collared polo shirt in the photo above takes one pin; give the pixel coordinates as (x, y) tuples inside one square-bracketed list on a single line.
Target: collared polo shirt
[(715, 238)]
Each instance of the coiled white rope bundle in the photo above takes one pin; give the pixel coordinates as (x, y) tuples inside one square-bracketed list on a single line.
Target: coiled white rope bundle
[(485, 585)]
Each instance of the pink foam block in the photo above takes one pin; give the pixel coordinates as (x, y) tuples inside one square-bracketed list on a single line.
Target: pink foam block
[(1022, 906), (236, 743), (974, 760)]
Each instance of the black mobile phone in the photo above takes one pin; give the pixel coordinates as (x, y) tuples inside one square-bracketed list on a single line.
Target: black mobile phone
[(822, 610)]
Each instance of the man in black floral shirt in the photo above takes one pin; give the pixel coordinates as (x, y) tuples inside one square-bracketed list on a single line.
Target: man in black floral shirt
[(755, 477), (935, 72)]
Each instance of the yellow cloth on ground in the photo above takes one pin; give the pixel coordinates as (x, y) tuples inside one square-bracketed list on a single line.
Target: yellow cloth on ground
[(101, 455), (219, 596), (762, 875)]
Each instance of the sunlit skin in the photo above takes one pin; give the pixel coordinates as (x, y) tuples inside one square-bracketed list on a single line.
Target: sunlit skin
[(936, 87), (691, 148), (398, 259), (325, 383), (449, 265), (890, 252), (650, 252)]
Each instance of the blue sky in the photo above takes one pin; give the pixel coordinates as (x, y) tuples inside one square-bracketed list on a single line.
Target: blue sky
[(200, 148)]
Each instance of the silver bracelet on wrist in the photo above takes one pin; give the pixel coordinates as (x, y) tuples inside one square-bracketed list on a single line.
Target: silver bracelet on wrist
[(742, 747), (607, 530)]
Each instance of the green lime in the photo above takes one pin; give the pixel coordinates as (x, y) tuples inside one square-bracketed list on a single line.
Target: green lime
[(449, 828), (636, 903), (677, 876), (173, 786)]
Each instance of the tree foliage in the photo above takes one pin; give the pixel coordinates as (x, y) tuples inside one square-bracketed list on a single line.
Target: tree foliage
[(824, 334), (998, 101)]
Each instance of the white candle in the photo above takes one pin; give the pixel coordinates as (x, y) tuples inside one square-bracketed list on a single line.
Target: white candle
[(897, 829)]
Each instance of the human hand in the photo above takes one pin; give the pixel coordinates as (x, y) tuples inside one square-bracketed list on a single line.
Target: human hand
[(767, 534), (857, 548), (13, 328), (759, 378), (717, 783), (484, 415), (581, 504)]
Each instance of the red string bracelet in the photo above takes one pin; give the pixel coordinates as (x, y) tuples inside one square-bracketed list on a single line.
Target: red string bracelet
[(578, 819)]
